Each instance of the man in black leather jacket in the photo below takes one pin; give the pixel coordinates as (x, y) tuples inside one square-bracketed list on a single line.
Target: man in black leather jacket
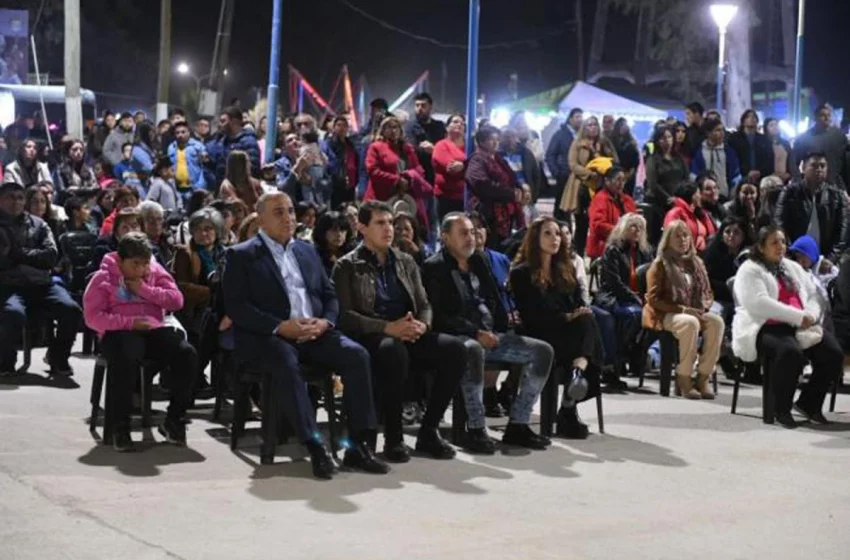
[(812, 206)]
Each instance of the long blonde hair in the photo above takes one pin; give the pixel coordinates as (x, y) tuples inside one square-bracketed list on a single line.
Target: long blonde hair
[(618, 234), (383, 127), (671, 228)]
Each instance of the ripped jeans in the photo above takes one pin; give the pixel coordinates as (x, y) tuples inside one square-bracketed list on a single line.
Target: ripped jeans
[(536, 357)]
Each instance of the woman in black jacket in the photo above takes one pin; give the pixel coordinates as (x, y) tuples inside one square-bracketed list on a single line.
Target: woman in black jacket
[(549, 300), (332, 238), (627, 152), (665, 169)]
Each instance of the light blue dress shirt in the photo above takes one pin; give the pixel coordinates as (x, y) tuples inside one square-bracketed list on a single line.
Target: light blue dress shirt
[(296, 289)]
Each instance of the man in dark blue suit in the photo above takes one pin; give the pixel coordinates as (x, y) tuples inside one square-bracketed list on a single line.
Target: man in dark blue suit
[(284, 310)]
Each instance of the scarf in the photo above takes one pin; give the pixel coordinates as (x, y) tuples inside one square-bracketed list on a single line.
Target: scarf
[(208, 261), (693, 294), (778, 271)]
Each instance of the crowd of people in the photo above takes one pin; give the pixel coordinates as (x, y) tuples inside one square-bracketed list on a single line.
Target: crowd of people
[(389, 255)]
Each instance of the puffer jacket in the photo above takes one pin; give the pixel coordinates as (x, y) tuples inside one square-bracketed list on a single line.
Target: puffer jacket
[(27, 251), (195, 151), (702, 228), (109, 306)]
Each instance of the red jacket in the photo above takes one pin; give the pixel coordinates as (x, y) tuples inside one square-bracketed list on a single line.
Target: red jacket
[(448, 185), (604, 214), (701, 228), (382, 168)]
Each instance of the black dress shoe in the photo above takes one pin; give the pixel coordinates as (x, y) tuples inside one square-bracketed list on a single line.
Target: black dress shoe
[(397, 452), (785, 420), (430, 442), (577, 385), (492, 408), (814, 416), (570, 425), (122, 442), (362, 458), (478, 441), (522, 436), (324, 467)]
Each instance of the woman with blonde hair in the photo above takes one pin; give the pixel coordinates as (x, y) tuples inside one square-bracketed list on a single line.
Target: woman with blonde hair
[(589, 145), (678, 299)]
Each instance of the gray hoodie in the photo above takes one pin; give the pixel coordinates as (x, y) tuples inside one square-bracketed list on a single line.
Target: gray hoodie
[(112, 146)]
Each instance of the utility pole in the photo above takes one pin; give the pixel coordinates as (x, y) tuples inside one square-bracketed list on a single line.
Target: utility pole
[(274, 79), (471, 81), (226, 30), (798, 65), (73, 99), (164, 60)]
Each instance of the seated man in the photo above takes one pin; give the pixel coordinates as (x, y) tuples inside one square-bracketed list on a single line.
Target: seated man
[(283, 308), (27, 256), (127, 303), (467, 304), (384, 306)]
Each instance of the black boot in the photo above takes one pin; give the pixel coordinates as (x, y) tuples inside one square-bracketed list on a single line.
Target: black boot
[(492, 408), (323, 464), (523, 436), (570, 425), (432, 443), (478, 441), (611, 379), (362, 457)]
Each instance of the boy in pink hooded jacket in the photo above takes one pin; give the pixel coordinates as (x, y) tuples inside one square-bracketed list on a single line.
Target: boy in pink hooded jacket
[(125, 303)]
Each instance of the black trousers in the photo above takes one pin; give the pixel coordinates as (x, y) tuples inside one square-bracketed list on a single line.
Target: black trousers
[(16, 303), (785, 361), (125, 350), (560, 184), (391, 363)]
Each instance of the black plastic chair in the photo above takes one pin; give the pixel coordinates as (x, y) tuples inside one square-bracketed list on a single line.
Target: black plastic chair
[(549, 403), (273, 426), (147, 371), (37, 333)]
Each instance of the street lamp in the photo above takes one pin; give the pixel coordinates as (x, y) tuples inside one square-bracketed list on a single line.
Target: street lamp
[(186, 70), (722, 15)]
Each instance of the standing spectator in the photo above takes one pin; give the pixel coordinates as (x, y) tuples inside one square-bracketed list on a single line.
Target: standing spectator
[(687, 207), (627, 152), (100, 132), (680, 142), (528, 138), (238, 182), (202, 130), (828, 140), (607, 126), (449, 160), (717, 156), (424, 132), (784, 161), (665, 169), (841, 304), (813, 206), (129, 171), (163, 190), (139, 117), (113, 148), (232, 135), (74, 176), (606, 209), (695, 134), (343, 162), (495, 193), (754, 149), (588, 146), (558, 155), (187, 160), (522, 162), (145, 150), (28, 255), (26, 170)]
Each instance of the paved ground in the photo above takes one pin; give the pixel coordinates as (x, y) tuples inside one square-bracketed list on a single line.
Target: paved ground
[(670, 479)]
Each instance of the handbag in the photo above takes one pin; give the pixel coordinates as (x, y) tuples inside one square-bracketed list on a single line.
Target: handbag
[(809, 337)]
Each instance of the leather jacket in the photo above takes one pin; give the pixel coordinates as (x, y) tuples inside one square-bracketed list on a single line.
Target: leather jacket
[(794, 209)]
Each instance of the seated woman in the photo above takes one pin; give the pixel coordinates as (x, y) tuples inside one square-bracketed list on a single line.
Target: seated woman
[(407, 238), (305, 216), (37, 203), (678, 300), (618, 292), (126, 303), (687, 207), (153, 224), (710, 197), (548, 297), (102, 207), (332, 238), (128, 220), (722, 258), (197, 200), (74, 177), (193, 265), (124, 197), (746, 207), (606, 209), (778, 320)]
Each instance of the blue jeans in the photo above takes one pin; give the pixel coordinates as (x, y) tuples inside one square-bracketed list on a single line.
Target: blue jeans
[(608, 332), (535, 372), (628, 318)]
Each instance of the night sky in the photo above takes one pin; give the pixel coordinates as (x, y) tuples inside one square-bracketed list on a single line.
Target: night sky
[(320, 35)]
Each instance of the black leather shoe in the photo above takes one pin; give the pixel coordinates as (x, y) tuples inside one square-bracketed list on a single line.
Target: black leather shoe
[(122, 442), (174, 431), (362, 458), (397, 452), (478, 441), (785, 420), (324, 467), (430, 442), (814, 416), (522, 436), (577, 385), (570, 425)]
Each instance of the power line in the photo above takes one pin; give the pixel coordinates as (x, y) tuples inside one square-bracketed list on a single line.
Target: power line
[(532, 41)]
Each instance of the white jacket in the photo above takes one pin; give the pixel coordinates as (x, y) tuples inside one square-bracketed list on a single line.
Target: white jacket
[(756, 297), (13, 174)]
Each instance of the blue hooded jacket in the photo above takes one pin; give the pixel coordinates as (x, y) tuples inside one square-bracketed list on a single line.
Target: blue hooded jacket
[(195, 151), (807, 246)]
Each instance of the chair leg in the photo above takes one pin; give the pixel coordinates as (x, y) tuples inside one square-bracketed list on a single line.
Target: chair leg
[(88, 343), (216, 372), (26, 346), (458, 418), (599, 413), (834, 394), (714, 379), (768, 403), (147, 396), (270, 422), (548, 403), (240, 407), (735, 390), (334, 428), (666, 365), (96, 391), (108, 409)]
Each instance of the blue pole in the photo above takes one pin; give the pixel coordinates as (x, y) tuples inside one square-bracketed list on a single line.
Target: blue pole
[(798, 65), (274, 79), (471, 81), (300, 96)]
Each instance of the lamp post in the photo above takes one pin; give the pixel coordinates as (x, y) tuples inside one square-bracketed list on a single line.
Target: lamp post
[(185, 70), (722, 15), (798, 64)]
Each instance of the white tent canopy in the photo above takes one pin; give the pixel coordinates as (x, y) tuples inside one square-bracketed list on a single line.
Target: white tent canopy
[(597, 101)]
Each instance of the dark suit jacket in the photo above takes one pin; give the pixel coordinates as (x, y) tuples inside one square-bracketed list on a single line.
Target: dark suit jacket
[(763, 148), (445, 287), (255, 294)]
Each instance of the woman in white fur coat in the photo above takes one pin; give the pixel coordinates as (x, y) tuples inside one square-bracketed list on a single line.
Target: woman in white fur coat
[(778, 316)]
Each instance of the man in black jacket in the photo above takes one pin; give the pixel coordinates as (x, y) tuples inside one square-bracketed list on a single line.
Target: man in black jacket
[(812, 206), (27, 256), (558, 155), (466, 303), (423, 132), (754, 150)]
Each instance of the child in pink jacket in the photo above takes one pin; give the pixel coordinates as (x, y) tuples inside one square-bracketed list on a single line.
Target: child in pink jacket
[(125, 303)]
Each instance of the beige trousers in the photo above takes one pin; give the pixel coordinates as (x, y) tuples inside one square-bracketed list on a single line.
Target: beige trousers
[(686, 328)]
